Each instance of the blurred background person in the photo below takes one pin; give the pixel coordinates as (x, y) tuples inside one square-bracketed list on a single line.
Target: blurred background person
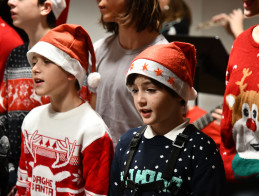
[(233, 22), (177, 17), (36, 18), (9, 39), (239, 124), (134, 25)]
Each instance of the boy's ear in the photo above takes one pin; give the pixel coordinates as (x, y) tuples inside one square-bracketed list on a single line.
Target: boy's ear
[(46, 8)]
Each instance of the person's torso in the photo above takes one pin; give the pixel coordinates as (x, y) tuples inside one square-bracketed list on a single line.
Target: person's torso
[(114, 101), (239, 124), (54, 145), (151, 158)]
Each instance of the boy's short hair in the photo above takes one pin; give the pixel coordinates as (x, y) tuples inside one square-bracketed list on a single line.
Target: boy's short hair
[(145, 14)]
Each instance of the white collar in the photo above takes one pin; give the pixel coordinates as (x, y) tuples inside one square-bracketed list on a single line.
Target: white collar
[(149, 133)]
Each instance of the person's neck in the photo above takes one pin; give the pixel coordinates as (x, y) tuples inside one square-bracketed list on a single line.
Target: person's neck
[(131, 39), (65, 102), (35, 34), (164, 128)]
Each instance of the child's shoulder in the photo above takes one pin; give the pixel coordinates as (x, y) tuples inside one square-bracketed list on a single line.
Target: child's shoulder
[(201, 144), (103, 41), (36, 113), (126, 138), (91, 119), (39, 109), (197, 136), (89, 114)]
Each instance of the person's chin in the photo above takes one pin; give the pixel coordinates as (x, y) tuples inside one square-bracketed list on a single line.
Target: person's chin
[(39, 93)]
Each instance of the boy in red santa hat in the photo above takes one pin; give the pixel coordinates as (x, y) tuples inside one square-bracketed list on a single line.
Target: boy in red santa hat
[(66, 147), (168, 156), (36, 18)]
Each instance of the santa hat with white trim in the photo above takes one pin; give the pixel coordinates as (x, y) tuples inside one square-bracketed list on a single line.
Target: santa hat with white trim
[(69, 46), (171, 64), (57, 7)]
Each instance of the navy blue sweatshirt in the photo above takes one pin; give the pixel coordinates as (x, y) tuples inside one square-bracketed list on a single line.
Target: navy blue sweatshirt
[(199, 169)]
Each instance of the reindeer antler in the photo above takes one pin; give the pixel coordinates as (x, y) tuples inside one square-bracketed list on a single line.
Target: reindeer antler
[(240, 83), (69, 153), (29, 142)]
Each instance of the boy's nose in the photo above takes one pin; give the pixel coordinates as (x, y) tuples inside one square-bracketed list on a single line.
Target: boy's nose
[(11, 3), (35, 69), (141, 100)]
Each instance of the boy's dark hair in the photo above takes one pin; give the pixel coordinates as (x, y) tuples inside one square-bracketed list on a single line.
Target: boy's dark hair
[(77, 85), (132, 77), (51, 19), (144, 14)]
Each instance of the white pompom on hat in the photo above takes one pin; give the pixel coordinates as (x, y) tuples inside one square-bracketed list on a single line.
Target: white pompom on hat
[(57, 7), (171, 64), (68, 46)]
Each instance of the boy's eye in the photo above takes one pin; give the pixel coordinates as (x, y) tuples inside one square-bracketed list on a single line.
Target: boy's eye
[(46, 61), (33, 63), (133, 90), (151, 90)]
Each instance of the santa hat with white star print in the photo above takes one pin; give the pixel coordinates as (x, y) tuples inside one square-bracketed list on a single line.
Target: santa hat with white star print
[(171, 64), (69, 46)]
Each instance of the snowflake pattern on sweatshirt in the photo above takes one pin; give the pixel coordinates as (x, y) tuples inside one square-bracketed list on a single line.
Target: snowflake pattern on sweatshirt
[(199, 168)]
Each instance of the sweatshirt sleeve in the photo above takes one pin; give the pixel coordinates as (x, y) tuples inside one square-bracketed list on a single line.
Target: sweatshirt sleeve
[(22, 174), (97, 158), (115, 180)]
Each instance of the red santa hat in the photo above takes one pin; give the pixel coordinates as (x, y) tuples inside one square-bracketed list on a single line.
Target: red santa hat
[(68, 46), (62, 19), (57, 7), (172, 64)]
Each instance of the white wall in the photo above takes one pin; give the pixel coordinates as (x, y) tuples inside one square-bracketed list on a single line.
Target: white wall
[(86, 13)]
